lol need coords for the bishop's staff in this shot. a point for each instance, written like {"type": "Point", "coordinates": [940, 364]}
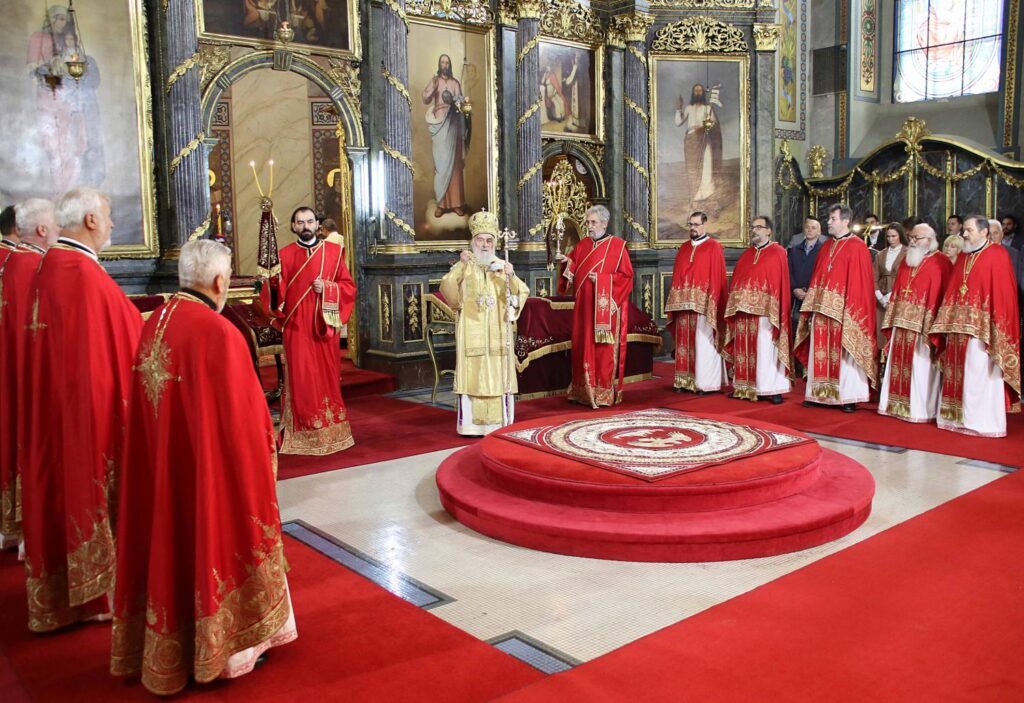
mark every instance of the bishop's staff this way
{"type": "Point", "coordinates": [504, 237]}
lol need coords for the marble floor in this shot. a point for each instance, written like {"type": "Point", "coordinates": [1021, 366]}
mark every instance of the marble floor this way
{"type": "Point", "coordinates": [385, 520]}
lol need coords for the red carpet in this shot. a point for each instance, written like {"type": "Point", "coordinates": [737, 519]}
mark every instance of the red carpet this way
{"type": "Point", "coordinates": [384, 428]}
{"type": "Point", "coordinates": [357, 642]}
{"type": "Point", "coordinates": [930, 610]}
{"type": "Point", "coordinates": [355, 382]}
{"type": "Point", "coordinates": [754, 505]}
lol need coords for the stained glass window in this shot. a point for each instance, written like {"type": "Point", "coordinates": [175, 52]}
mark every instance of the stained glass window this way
{"type": "Point", "coordinates": [946, 48]}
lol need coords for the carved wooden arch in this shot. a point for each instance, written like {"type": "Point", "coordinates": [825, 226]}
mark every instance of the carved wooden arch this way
{"type": "Point", "coordinates": [348, 114]}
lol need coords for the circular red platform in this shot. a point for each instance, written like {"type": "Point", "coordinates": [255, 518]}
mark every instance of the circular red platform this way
{"type": "Point", "coordinates": [787, 499]}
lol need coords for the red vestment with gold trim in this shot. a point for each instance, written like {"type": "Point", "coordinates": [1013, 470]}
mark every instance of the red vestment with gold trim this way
{"type": "Point", "coordinates": [599, 358]}
{"type": "Point", "coordinates": [916, 295]}
{"type": "Point", "coordinates": [313, 416]}
{"type": "Point", "coordinates": [699, 287]}
{"type": "Point", "coordinates": [981, 302]}
{"type": "Point", "coordinates": [82, 335]}
{"type": "Point", "coordinates": [760, 288]}
{"type": "Point", "coordinates": [200, 566]}
{"type": "Point", "coordinates": [840, 303]}
{"type": "Point", "coordinates": [15, 280]}
{"type": "Point", "coordinates": [6, 249]}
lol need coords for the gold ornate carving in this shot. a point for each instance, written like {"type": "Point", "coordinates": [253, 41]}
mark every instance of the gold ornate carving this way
{"type": "Point", "coordinates": [638, 53]}
{"type": "Point", "coordinates": [529, 9]}
{"type": "Point", "coordinates": [633, 27]}
{"type": "Point", "coordinates": [641, 113]}
{"type": "Point", "coordinates": [596, 149]}
{"type": "Point", "coordinates": [816, 156]}
{"type": "Point", "coordinates": [638, 167]}
{"type": "Point", "coordinates": [766, 37]}
{"type": "Point", "coordinates": [565, 194]}
{"type": "Point", "coordinates": [346, 76]}
{"type": "Point", "coordinates": [647, 296]}
{"type": "Point", "coordinates": [709, 4]}
{"type": "Point", "coordinates": [186, 150]}
{"type": "Point", "coordinates": [843, 114]}
{"type": "Point", "coordinates": [527, 48]}
{"type": "Point", "coordinates": [384, 298]}
{"type": "Point", "coordinates": [182, 68]}
{"type": "Point", "coordinates": [1010, 73]}
{"type": "Point", "coordinates": [784, 151]}
{"type": "Point", "coordinates": [635, 225]}
{"type": "Point", "coordinates": [700, 35]}
{"type": "Point", "coordinates": [398, 10]}
{"type": "Point", "coordinates": [913, 131]}
{"type": "Point", "coordinates": [402, 224]}
{"type": "Point", "coordinates": [530, 173]}
{"type": "Point", "coordinates": [568, 19]}
{"type": "Point", "coordinates": [412, 313]}
{"type": "Point", "coordinates": [212, 60]}
{"type": "Point", "coordinates": [507, 14]}
{"type": "Point", "coordinates": [399, 157]}
{"type": "Point", "coordinates": [395, 83]}
{"type": "Point", "coordinates": [464, 11]}
{"type": "Point", "coordinates": [530, 112]}
{"type": "Point", "coordinates": [200, 230]}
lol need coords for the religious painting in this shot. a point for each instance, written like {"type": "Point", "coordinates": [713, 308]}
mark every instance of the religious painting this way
{"type": "Point", "coordinates": [96, 131]}
{"type": "Point", "coordinates": [319, 26]}
{"type": "Point", "coordinates": [570, 86]}
{"type": "Point", "coordinates": [791, 71]}
{"type": "Point", "coordinates": [700, 145]}
{"type": "Point", "coordinates": [454, 155]}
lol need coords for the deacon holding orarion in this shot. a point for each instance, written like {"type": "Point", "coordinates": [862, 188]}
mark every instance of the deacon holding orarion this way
{"type": "Point", "coordinates": [201, 588]}
{"type": "Point", "coordinates": [979, 329]}
{"type": "Point", "coordinates": [488, 298]}
{"type": "Point", "coordinates": [912, 380]}
{"type": "Point", "coordinates": [696, 308]}
{"type": "Point", "coordinates": [835, 340]}
{"type": "Point", "coordinates": [757, 318]}
{"type": "Point", "coordinates": [38, 231]}
{"type": "Point", "coordinates": [601, 275]}
{"type": "Point", "coordinates": [316, 297]}
{"type": "Point", "coordinates": [82, 332]}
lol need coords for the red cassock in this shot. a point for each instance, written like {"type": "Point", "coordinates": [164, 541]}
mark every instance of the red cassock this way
{"type": "Point", "coordinates": [760, 288]}
{"type": "Point", "coordinates": [840, 302]}
{"type": "Point", "coordinates": [699, 287]}
{"type": "Point", "coordinates": [82, 333]}
{"type": "Point", "coordinates": [598, 328]}
{"type": "Point", "coordinates": [980, 301]}
{"type": "Point", "coordinates": [313, 416]}
{"type": "Point", "coordinates": [200, 567]}
{"type": "Point", "coordinates": [916, 295]}
{"type": "Point", "coordinates": [15, 279]}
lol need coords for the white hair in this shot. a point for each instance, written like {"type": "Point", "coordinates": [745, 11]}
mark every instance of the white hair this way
{"type": "Point", "coordinates": [601, 211]}
{"type": "Point", "coordinates": [995, 224]}
{"type": "Point", "coordinates": [201, 261]}
{"type": "Point", "coordinates": [74, 205]}
{"type": "Point", "coordinates": [928, 230]}
{"type": "Point", "coordinates": [31, 213]}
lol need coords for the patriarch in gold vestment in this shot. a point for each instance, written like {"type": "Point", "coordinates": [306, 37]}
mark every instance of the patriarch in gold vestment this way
{"type": "Point", "coordinates": [488, 298]}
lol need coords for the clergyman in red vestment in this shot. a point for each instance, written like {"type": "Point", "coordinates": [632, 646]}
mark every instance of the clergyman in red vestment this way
{"type": "Point", "coordinates": [979, 329]}
{"type": "Point", "coordinates": [696, 308]}
{"type": "Point", "coordinates": [602, 277]}
{"type": "Point", "coordinates": [201, 588]}
{"type": "Point", "coordinates": [912, 380]}
{"type": "Point", "coordinates": [316, 297]}
{"type": "Point", "coordinates": [835, 340]}
{"type": "Point", "coordinates": [82, 333]}
{"type": "Point", "coordinates": [757, 318]}
{"type": "Point", "coordinates": [38, 231]}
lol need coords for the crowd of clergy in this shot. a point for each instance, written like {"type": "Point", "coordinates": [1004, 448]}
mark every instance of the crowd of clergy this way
{"type": "Point", "coordinates": [127, 504]}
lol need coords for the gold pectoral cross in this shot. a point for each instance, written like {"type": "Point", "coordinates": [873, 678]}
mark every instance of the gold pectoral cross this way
{"type": "Point", "coordinates": [35, 325]}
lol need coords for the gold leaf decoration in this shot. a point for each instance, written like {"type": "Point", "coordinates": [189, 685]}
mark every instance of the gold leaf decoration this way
{"type": "Point", "coordinates": [700, 35]}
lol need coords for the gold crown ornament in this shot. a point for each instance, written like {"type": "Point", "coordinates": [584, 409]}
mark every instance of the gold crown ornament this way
{"type": "Point", "coordinates": [483, 221]}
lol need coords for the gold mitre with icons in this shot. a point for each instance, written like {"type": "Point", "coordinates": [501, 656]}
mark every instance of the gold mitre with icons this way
{"type": "Point", "coordinates": [483, 221]}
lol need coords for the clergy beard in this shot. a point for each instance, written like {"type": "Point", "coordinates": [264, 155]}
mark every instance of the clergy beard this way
{"type": "Point", "coordinates": [597, 236]}
{"type": "Point", "coordinates": [915, 255]}
{"type": "Point", "coordinates": [307, 236]}
{"type": "Point", "coordinates": [484, 258]}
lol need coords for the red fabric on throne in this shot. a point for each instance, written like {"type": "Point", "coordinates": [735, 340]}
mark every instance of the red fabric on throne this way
{"type": "Point", "coordinates": [200, 566]}
{"type": "Point", "coordinates": [82, 335]}
{"type": "Point", "coordinates": [313, 416]}
{"type": "Point", "coordinates": [599, 360]}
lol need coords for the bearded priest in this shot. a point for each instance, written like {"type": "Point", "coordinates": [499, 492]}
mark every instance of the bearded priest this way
{"type": "Point", "coordinates": [488, 298]}
{"type": "Point", "coordinates": [912, 381]}
{"type": "Point", "coordinates": [601, 275]}
{"type": "Point", "coordinates": [200, 566]}
{"type": "Point", "coordinates": [835, 340]}
{"type": "Point", "coordinates": [82, 333]}
{"type": "Point", "coordinates": [979, 329]}
{"type": "Point", "coordinates": [317, 295]}
{"type": "Point", "coordinates": [696, 307]}
{"type": "Point", "coordinates": [38, 231]}
{"type": "Point", "coordinates": [757, 318]}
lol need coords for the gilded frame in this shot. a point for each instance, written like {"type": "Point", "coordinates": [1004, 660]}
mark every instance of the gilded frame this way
{"type": "Point", "coordinates": [354, 40]}
{"type": "Point", "coordinates": [701, 61]}
{"type": "Point", "coordinates": [596, 53]}
{"type": "Point", "coordinates": [490, 128]}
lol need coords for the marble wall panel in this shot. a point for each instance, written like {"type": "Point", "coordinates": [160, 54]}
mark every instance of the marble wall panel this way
{"type": "Point", "coordinates": [270, 121]}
